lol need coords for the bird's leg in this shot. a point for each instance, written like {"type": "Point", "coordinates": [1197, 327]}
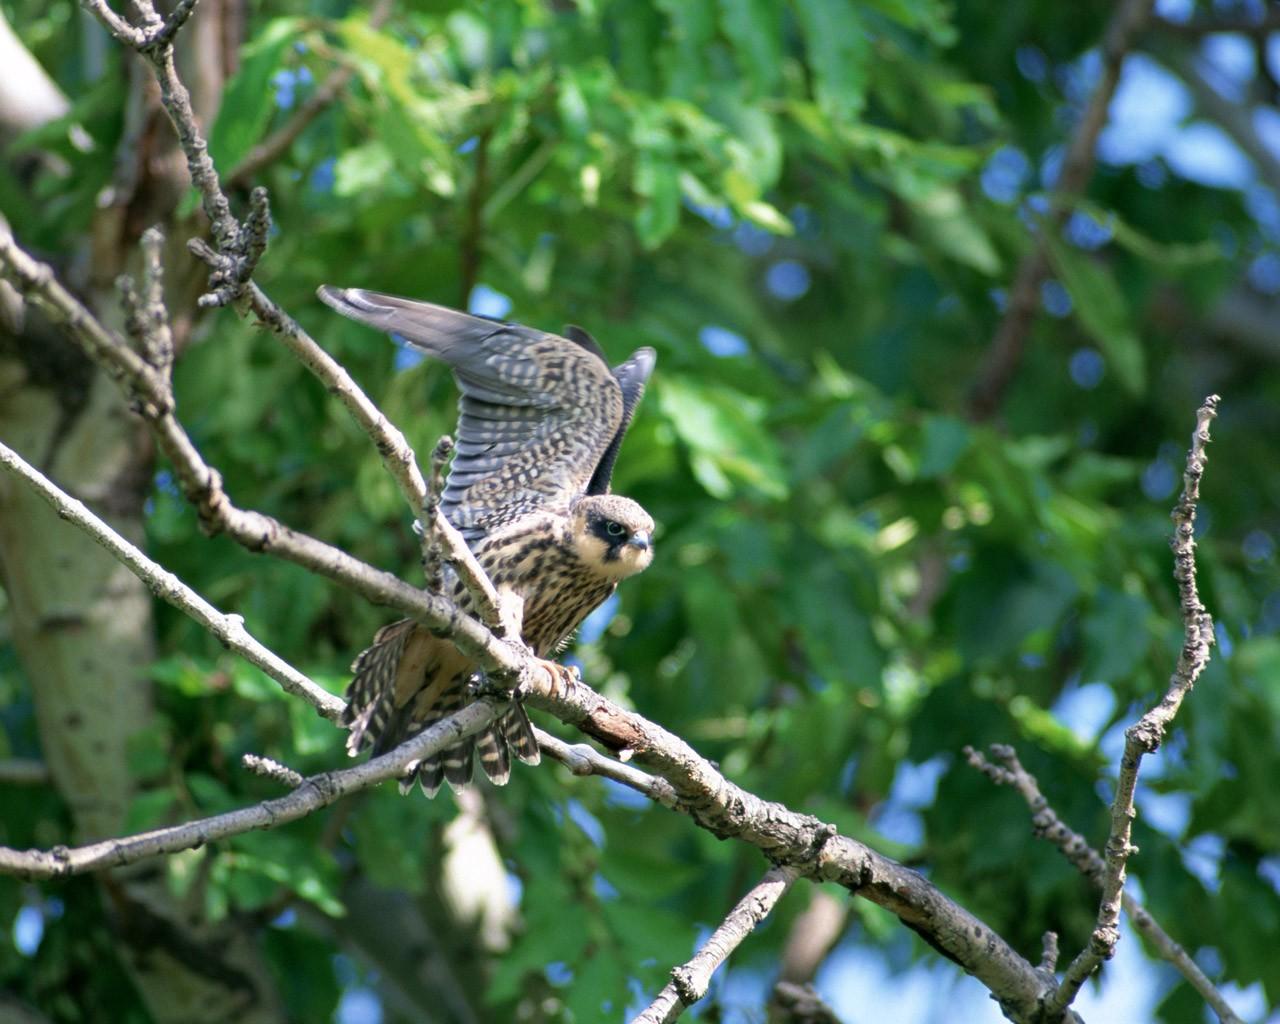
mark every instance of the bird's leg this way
{"type": "Point", "coordinates": [564, 678]}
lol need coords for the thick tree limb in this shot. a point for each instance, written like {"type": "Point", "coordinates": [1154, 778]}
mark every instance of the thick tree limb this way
{"type": "Point", "coordinates": [1005, 354]}
{"type": "Point", "coordinates": [690, 981]}
{"type": "Point", "coordinates": [798, 840]}
{"type": "Point", "coordinates": [1004, 769]}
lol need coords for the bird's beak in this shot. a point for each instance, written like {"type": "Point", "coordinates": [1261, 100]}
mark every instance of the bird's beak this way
{"type": "Point", "coordinates": [639, 541]}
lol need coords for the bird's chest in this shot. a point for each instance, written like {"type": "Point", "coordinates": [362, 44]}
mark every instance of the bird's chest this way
{"type": "Point", "coordinates": [558, 589]}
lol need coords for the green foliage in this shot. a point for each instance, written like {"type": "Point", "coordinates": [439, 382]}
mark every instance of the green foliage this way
{"type": "Point", "coordinates": [851, 575]}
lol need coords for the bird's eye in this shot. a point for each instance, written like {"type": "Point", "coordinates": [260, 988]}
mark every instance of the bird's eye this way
{"type": "Point", "coordinates": [615, 529]}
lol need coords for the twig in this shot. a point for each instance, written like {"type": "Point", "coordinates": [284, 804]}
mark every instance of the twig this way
{"type": "Point", "coordinates": [1005, 769]}
{"type": "Point", "coordinates": [1144, 737]}
{"type": "Point", "coordinates": [239, 248]}
{"type": "Point", "coordinates": [229, 629]}
{"type": "Point", "coordinates": [582, 759]}
{"type": "Point", "coordinates": [1005, 353]}
{"type": "Point", "coordinates": [274, 145]}
{"type": "Point", "coordinates": [36, 282]}
{"type": "Point", "coordinates": [314, 793]}
{"type": "Point", "coordinates": [1260, 25]}
{"type": "Point", "coordinates": [146, 319]}
{"type": "Point", "coordinates": [271, 769]}
{"type": "Point", "coordinates": [689, 982]}
{"type": "Point", "coordinates": [155, 43]}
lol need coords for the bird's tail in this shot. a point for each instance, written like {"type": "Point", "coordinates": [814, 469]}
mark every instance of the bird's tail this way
{"type": "Point", "coordinates": [377, 723]}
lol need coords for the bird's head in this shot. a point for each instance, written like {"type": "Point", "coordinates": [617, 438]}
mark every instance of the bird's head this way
{"type": "Point", "coordinates": [612, 534]}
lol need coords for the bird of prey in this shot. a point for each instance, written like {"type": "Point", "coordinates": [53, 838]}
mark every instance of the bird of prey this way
{"type": "Point", "coordinates": [541, 418]}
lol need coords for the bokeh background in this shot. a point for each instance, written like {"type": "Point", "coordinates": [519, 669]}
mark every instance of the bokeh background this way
{"type": "Point", "coordinates": [814, 211]}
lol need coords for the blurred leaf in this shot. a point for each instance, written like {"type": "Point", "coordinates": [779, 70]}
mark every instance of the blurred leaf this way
{"type": "Point", "coordinates": [1102, 311]}
{"type": "Point", "coordinates": [840, 50]}
{"type": "Point", "coordinates": [725, 435]}
{"type": "Point", "coordinates": [248, 101]}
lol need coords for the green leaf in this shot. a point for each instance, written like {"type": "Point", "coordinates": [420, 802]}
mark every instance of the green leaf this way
{"type": "Point", "coordinates": [362, 168]}
{"type": "Point", "coordinates": [839, 49]}
{"type": "Point", "coordinates": [945, 440]}
{"type": "Point", "coordinates": [1164, 255]}
{"type": "Point", "coordinates": [1115, 636]}
{"type": "Point", "coordinates": [657, 183]}
{"type": "Point", "coordinates": [724, 433]}
{"type": "Point", "coordinates": [248, 102]}
{"type": "Point", "coordinates": [944, 219]}
{"type": "Point", "coordinates": [1102, 311]}
{"type": "Point", "coordinates": [755, 29]}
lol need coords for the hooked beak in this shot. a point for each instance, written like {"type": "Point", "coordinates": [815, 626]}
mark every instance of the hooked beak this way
{"type": "Point", "coordinates": [639, 541]}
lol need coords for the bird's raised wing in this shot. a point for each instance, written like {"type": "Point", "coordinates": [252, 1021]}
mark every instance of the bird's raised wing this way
{"type": "Point", "coordinates": [631, 377]}
{"type": "Point", "coordinates": [537, 414]}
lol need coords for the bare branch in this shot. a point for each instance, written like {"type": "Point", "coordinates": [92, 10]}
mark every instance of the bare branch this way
{"type": "Point", "coordinates": [582, 759]}
{"type": "Point", "coordinates": [1005, 354]}
{"type": "Point", "coordinates": [1144, 737]}
{"type": "Point", "coordinates": [1261, 24]}
{"type": "Point", "coordinates": [36, 281]}
{"type": "Point", "coordinates": [146, 318]}
{"type": "Point", "coordinates": [165, 585]}
{"type": "Point", "coordinates": [689, 982]}
{"type": "Point", "coordinates": [796, 840]}
{"type": "Point", "coordinates": [314, 793]}
{"type": "Point", "coordinates": [1005, 769]}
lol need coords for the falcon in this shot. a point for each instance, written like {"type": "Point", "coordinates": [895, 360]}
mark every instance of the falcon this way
{"type": "Point", "coordinates": [540, 421]}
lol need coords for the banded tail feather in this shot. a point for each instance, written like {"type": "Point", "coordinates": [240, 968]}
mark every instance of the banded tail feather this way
{"type": "Point", "coordinates": [371, 695]}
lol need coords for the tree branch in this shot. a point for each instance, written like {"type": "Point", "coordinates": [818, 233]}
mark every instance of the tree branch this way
{"type": "Point", "coordinates": [687, 782]}
{"type": "Point", "coordinates": [229, 629]}
{"type": "Point", "coordinates": [800, 1004]}
{"type": "Point", "coordinates": [1006, 770]}
{"type": "Point", "coordinates": [315, 792]}
{"type": "Point", "coordinates": [788, 838]}
{"type": "Point", "coordinates": [1145, 736]}
{"type": "Point", "coordinates": [690, 981]}
{"type": "Point", "coordinates": [582, 759]}
{"type": "Point", "coordinates": [1005, 354]}
{"type": "Point", "coordinates": [1141, 738]}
